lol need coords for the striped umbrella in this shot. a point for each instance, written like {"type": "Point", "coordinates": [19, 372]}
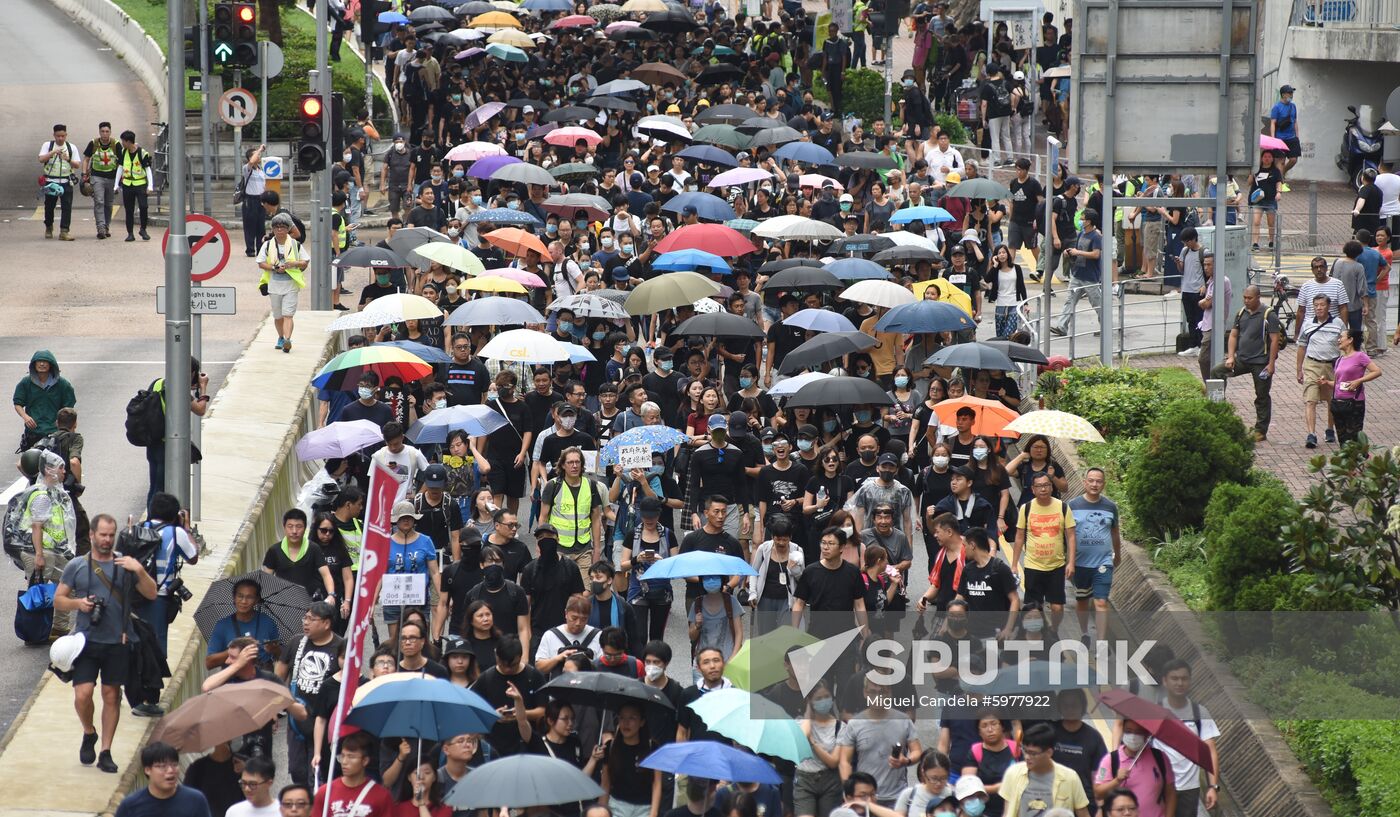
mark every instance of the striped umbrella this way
{"type": "Point", "coordinates": [342, 372]}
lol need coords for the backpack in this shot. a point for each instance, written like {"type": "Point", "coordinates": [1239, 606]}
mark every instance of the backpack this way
{"type": "Point", "coordinates": [1010, 744]}
{"type": "Point", "coordinates": [572, 645]}
{"type": "Point", "coordinates": [142, 542]}
{"type": "Point", "coordinates": [1157, 757]}
{"type": "Point", "coordinates": [145, 418]}
{"type": "Point", "coordinates": [18, 538]}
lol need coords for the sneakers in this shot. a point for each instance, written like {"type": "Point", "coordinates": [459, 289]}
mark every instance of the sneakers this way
{"type": "Point", "coordinates": [48, 232]}
{"type": "Point", "coordinates": [340, 307]}
{"type": "Point", "coordinates": [87, 753]}
{"type": "Point", "coordinates": [281, 341]}
{"type": "Point", "coordinates": [106, 763]}
{"type": "Point", "coordinates": [64, 236]}
{"type": "Point", "coordinates": [101, 235]}
{"type": "Point", "coordinates": [1192, 352]}
{"type": "Point", "coordinates": [145, 236]}
{"type": "Point", "coordinates": [344, 291]}
{"type": "Point", "coordinates": [1330, 435]}
{"type": "Point", "coordinates": [130, 237]}
{"type": "Point", "coordinates": [1310, 441]}
{"type": "Point", "coordinates": [1255, 248]}
{"type": "Point", "coordinates": [1260, 436]}
{"type": "Point", "coordinates": [145, 711]}
{"type": "Point", "coordinates": [1057, 331]}
{"type": "Point", "coordinates": [287, 345]}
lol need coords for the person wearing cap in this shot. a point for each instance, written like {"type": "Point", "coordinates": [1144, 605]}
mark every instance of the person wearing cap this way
{"type": "Point", "coordinates": [441, 517]}
{"type": "Point", "coordinates": [969, 508]}
{"type": "Point", "coordinates": [411, 554]}
{"type": "Point", "coordinates": [971, 795]}
{"type": "Point", "coordinates": [717, 469]}
{"type": "Point", "coordinates": [884, 489]}
{"type": "Point", "coordinates": [1283, 124]}
{"type": "Point", "coordinates": [563, 434]}
{"type": "Point", "coordinates": [1085, 272]}
{"type": "Point", "coordinates": [779, 487]}
{"type": "Point", "coordinates": [1062, 233]}
{"type": "Point", "coordinates": [283, 261]}
{"type": "Point", "coordinates": [573, 503]}
{"type": "Point", "coordinates": [641, 546]}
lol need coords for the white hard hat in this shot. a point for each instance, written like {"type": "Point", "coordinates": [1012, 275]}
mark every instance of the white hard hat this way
{"type": "Point", "coordinates": [64, 651]}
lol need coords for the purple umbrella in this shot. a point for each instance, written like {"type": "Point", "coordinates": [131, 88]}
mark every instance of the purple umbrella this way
{"type": "Point", "coordinates": [740, 175]}
{"type": "Point", "coordinates": [483, 168]}
{"type": "Point", "coordinates": [478, 117]}
{"type": "Point", "coordinates": [537, 131]}
{"type": "Point", "coordinates": [469, 54]}
{"type": "Point", "coordinates": [338, 440]}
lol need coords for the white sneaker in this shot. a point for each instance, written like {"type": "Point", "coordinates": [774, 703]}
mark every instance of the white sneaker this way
{"type": "Point", "coordinates": [1189, 352]}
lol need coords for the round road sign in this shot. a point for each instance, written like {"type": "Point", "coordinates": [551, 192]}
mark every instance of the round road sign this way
{"type": "Point", "coordinates": [209, 246]}
{"type": "Point", "coordinates": [271, 61]}
{"type": "Point", "coordinates": [238, 106]}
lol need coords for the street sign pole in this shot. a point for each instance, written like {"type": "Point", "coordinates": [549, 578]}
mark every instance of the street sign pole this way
{"type": "Point", "coordinates": [238, 160]}
{"type": "Point", "coordinates": [177, 271]}
{"type": "Point", "coordinates": [1052, 160]}
{"type": "Point", "coordinates": [204, 119]}
{"type": "Point", "coordinates": [321, 253]}
{"type": "Point", "coordinates": [262, 98]}
{"type": "Point", "coordinates": [314, 179]}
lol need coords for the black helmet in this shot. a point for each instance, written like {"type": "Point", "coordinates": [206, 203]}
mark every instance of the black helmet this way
{"type": "Point", "coordinates": [30, 462]}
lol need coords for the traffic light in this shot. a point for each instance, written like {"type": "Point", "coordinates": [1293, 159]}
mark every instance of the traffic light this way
{"type": "Point", "coordinates": [194, 48]}
{"type": "Point", "coordinates": [245, 34]}
{"type": "Point", "coordinates": [311, 154]}
{"type": "Point", "coordinates": [221, 39]}
{"type": "Point", "coordinates": [370, 27]}
{"type": "Point", "coordinates": [336, 143]}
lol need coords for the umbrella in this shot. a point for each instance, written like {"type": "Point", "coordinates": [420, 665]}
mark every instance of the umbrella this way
{"type": "Point", "coordinates": [820, 320]}
{"type": "Point", "coordinates": [568, 137]}
{"type": "Point", "coordinates": [689, 260]}
{"type": "Point", "coordinates": [540, 128]}
{"type": "Point", "coordinates": [743, 225]}
{"type": "Point", "coordinates": [644, 6]}
{"type": "Point", "coordinates": [392, 18]}
{"type": "Point", "coordinates": [526, 102]}
{"type": "Point", "coordinates": [1055, 424]}
{"type": "Point", "coordinates": [797, 228]}
{"type": "Point", "coordinates": [861, 244]}
{"type": "Point", "coordinates": [433, 427]}
{"type": "Point", "coordinates": [877, 293]}
{"type": "Point", "coordinates": [992, 415]}
{"type": "Point", "coordinates": [971, 356]}
{"type": "Point", "coordinates": [791, 385]}
{"type": "Point", "coordinates": [1019, 352]}
{"type": "Point", "coordinates": [471, 151]}
{"type": "Point", "coordinates": [524, 346]}
{"type": "Point", "coordinates": [606, 689]}
{"type": "Point", "coordinates": [669, 21]}
{"type": "Point", "coordinates": [770, 267]}
{"type": "Point", "coordinates": [906, 254]}
{"type": "Point", "coordinates": [503, 215]}
{"type": "Point", "coordinates": [431, 14]}
{"type": "Point", "coordinates": [722, 72]}
{"type": "Point", "coordinates": [523, 277]}
{"type": "Point", "coordinates": [494, 311]}
{"type": "Point", "coordinates": [573, 170]}
{"type": "Point", "coordinates": [522, 782]}
{"type": "Point", "coordinates": [804, 152]}
{"type": "Point", "coordinates": [547, 5]}
{"type": "Point", "coordinates": [606, 12]}
{"type": "Point", "coordinates": [978, 189]}
{"type": "Point", "coordinates": [925, 317]}
{"type": "Point", "coordinates": [494, 283]}
{"type": "Point", "coordinates": [658, 73]}
{"type": "Point", "coordinates": [591, 305]}
{"type": "Point", "coordinates": [739, 175]}
{"type": "Point", "coordinates": [699, 563]}
{"type": "Point", "coordinates": [823, 348]}
{"type": "Point", "coordinates": [206, 720]}
{"type": "Point", "coordinates": [570, 113]}
{"type": "Point", "coordinates": [343, 371]}
{"type": "Point", "coordinates": [408, 239]}
{"type": "Point", "coordinates": [780, 135]}
{"type": "Point", "coordinates": [1272, 143]}
{"type": "Point", "coordinates": [866, 159]}
{"type": "Point", "coordinates": [338, 440]}
{"type": "Point", "coordinates": [516, 241]}
{"type": "Point", "coordinates": [818, 180]}
{"type": "Point", "coordinates": [947, 291]}
{"type": "Point", "coordinates": [483, 168]}
{"type": "Point", "coordinates": [720, 325]}
{"type": "Point", "coordinates": [710, 759]}
{"type": "Point", "coordinates": [619, 86]}
{"type": "Point", "coordinates": [707, 306]}
{"type": "Point", "coordinates": [396, 307]}
{"type": "Point", "coordinates": [753, 721]}
{"type": "Point", "coordinates": [926, 214]}
{"type": "Point", "coordinates": [725, 135]}
{"type": "Point", "coordinates": [473, 8]}
{"type": "Point", "coordinates": [1167, 728]}
{"type": "Point", "coordinates": [857, 269]}
{"type": "Point", "coordinates": [508, 53]}
{"type": "Point", "coordinates": [429, 354]}
{"type": "Point", "coordinates": [660, 438]}
{"type": "Point", "coordinates": [611, 103]}
{"type": "Point", "coordinates": [283, 602]}
{"type": "Point", "coordinates": [369, 256]}
{"type": "Point", "coordinates": [617, 296]}
{"type": "Point", "coordinates": [1032, 676]}
{"type": "Point", "coordinates": [758, 123]}
{"type": "Point", "coordinates": [423, 707]}
{"type": "Point", "coordinates": [574, 21]}
{"type": "Point", "coordinates": [759, 664]}
{"type": "Point", "coordinates": [524, 173]}
{"type": "Point", "coordinates": [632, 32]}
{"type": "Point", "coordinates": [661, 126]}
{"type": "Point", "coordinates": [597, 208]}
{"type": "Point", "coordinates": [494, 19]}
{"type": "Point", "coordinates": [803, 278]}
{"type": "Point", "coordinates": [709, 154]}
{"type": "Point", "coordinates": [840, 391]}
{"type": "Point", "coordinates": [712, 238]}
{"type": "Point", "coordinates": [469, 53]}
{"type": "Point", "coordinates": [453, 256]}
{"type": "Point", "coordinates": [707, 205]}
{"type": "Point", "coordinates": [481, 114]}
{"type": "Point", "coordinates": [669, 291]}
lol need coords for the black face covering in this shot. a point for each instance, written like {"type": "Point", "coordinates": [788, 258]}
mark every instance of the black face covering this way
{"type": "Point", "coordinates": [494, 577]}
{"type": "Point", "coordinates": [549, 551]}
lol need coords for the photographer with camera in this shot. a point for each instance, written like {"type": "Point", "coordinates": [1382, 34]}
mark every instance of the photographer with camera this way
{"type": "Point", "coordinates": [98, 587]}
{"type": "Point", "coordinates": [165, 537]}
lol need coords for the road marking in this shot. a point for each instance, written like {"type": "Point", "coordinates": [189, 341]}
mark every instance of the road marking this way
{"type": "Point", "coordinates": [116, 362]}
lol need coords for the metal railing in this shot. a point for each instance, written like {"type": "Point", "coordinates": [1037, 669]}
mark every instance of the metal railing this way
{"type": "Point", "coordinates": [1376, 14]}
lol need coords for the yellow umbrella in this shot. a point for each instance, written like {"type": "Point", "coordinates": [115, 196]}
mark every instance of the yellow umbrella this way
{"type": "Point", "coordinates": [632, 6]}
{"type": "Point", "coordinates": [493, 283]}
{"type": "Point", "coordinates": [759, 664]}
{"type": "Point", "coordinates": [947, 291]}
{"type": "Point", "coordinates": [494, 19]}
{"type": "Point", "coordinates": [1055, 424]}
{"type": "Point", "coordinates": [454, 256]}
{"type": "Point", "coordinates": [511, 36]}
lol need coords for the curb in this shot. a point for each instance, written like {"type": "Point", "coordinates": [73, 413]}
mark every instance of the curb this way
{"type": "Point", "coordinates": [128, 40]}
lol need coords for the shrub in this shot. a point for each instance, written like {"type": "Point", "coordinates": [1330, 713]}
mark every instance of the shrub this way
{"type": "Point", "coordinates": [1357, 759]}
{"type": "Point", "coordinates": [953, 126]}
{"type": "Point", "coordinates": [1113, 456]}
{"type": "Point", "coordinates": [1194, 446]}
{"type": "Point", "coordinates": [1115, 410]}
{"type": "Point", "coordinates": [863, 94]}
{"type": "Point", "coordinates": [1242, 526]}
{"type": "Point", "coordinates": [1183, 559]}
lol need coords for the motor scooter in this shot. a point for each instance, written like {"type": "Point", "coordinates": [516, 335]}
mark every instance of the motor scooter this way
{"type": "Point", "coordinates": [1361, 149]}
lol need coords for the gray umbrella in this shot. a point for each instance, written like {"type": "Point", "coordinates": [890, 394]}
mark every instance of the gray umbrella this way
{"type": "Point", "coordinates": [775, 136]}
{"type": "Point", "coordinates": [494, 310]}
{"type": "Point", "coordinates": [523, 781]}
{"type": "Point", "coordinates": [972, 356]}
{"type": "Point", "coordinates": [431, 14]}
{"type": "Point", "coordinates": [409, 239]}
{"type": "Point", "coordinates": [619, 86]}
{"type": "Point", "coordinates": [524, 173]}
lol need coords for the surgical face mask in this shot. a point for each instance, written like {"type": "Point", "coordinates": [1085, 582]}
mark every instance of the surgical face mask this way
{"type": "Point", "coordinates": [556, 101]}
{"type": "Point", "coordinates": [666, 365]}
{"type": "Point", "coordinates": [599, 335]}
{"type": "Point", "coordinates": [745, 382]}
{"type": "Point", "coordinates": [520, 137]}
{"type": "Point", "coordinates": [552, 229]}
{"type": "Point", "coordinates": [400, 147]}
{"type": "Point", "coordinates": [1034, 625]}
{"type": "Point", "coordinates": [656, 470]}
{"type": "Point", "coordinates": [458, 173]}
{"type": "Point", "coordinates": [1134, 741]}
{"type": "Point", "coordinates": [908, 83]}
{"type": "Point", "coordinates": [940, 462]}
{"type": "Point", "coordinates": [607, 243]}
{"type": "Point", "coordinates": [437, 178]}
{"type": "Point", "coordinates": [845, 207]}
{"type": "Point", "coordinates": [441, 404]}
{"type": "Point", "coordinates": [628, 249]}
{"type": "Point", "coordinates": [823, 706]}
{"type": "Point", "coordinates": [513, 204]}
{"type": "Point", "coordinates": [451, 290]}
{"type": "Point", "coordinates": [494, 576]}
{"type": "Point", "coordinates": [366, 392]}
{"type": "Point", "coordinates": [584, 246]}
{"type": "Point", "coordinates": [458, 97]}
{"type": "Point", "coordinates": [974, 808]}
{"type": "Point", "coordinates": [768, 449]}
{"type": "Point", "coordinates": [944, 813]}
{"type": "Point", "coordinates": [901, 381]}
{"type": "Point", "coordinates": [581, 223]}
{"type": "Point", "coordinates": [712, 584]}
{"type": "Point", "coordinates": [491, 396]}
{"type": "Point", "coordinates": [476, 200]}
{"type": "Point", "coordinates": [849, 530]}
{"type": "Point", "coordinates": [567, 423]}
{"type": "Point", "coordinates": [804, 445]}
{"type": "Point", "coordinates": [381, 279]}
{"type": "Point", "coordinates": [347, 156]}
{"type": "Point", "coordinates": [566, 325]}
{"type": "Point", "coordinates": [979, 454]}
{"type": "Point", "coordinates": [654, 671]}
{"type": "Point", "coordinates": [828, 426]}
{"type": "Point", "coordinates": [453, 232]}
{"type": "Point", "coordinates": [862, 416]}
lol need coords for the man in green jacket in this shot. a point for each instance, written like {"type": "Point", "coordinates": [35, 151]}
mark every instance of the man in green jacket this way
{"type": "Point", "coordinates": [38, 397]}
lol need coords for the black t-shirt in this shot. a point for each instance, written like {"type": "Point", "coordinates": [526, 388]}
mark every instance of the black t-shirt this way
{"type": "Point", "coordinates": [661, 722]}
{"type": "Point", "coordinates": [467, 383]}
{"type": "Point", "coordinates": [717, 471]}
{"type": "Point", "coordinates": [947, 587]}
{"type": "Point", "coordinates": [986, 590]}
{"type": "Point", "coordinates": [514, 556]}
{"type": "Point", "coordinates": [538, 408]}
{"type": "Point", "coordinates": [830, 591]}
{"type": "Point", "coordinates": [430, 668]}
{"type": "Point", "coordinates": [630, 782]}
{"type": "Point", "coordinates": [310, 670]}
{"type": "Point", "coordinates": [784, 339]}
{"type": "Point", "coordinates": [774, 486]}
{"type": "Point", "coordinates": [423, 159]}
{"type": "Point", "coordinates": [548, 588]}
{"type": "Point", "coordinates": [505, 735]}
{"type": "Point", "coordinates": [1266, 179]}
{"type": "Point", "coordinates": [377, 412]}
{"type": "Point", "coordinates": [373, 290]}
{"type": "Point", "coordinates": [438, 522]}
{"type": "Point", "coordinates": [1064, 209]}
{"type": "Point", "coordinates": [217, 782]}
{"type": "Point", "coordinates": [504, 443]}
{"type": "Point", "coordinates": [554, 445]}
{"type": "Point", "coordinates": [305, 571]}
{"type": "Point", "coordinates": [507, 603]}
{"type": "Point", "coordinates": [1080, 750]}
{"type": "Point", "coordinates": [1024, 209]}
{"type": "Point", "coordinates": [457, 579]}
{"type": "Point", "coordinates": [337, 558]}
{"type": "Point", "coordinates": [667, 391]}
{"type": "Point", "coordinates": [997, 96]}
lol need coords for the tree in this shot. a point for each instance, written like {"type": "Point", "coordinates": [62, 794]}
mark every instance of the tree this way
{"type": "Point", "coordinates": [1348, 532]}
{"type": "Point", "coordinates": [270, 18]}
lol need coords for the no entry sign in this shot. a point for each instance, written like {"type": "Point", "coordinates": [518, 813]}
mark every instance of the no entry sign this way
{"type": "Point", "coordinates": [209, 246]}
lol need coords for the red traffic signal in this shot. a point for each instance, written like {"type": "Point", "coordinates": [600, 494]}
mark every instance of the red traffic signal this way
{"type": "Point", "coordinates": [311, 154]}
{"type": "Point", "coordinates": [311, 106]}
{"type": "Point", "coordinates": [246, 14]}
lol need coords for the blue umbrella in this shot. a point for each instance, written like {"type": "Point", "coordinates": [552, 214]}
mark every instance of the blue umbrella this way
{"type": "Point", "coordinates": [689, 260]}
{"type": "Point", "coordinates": [508, 53]}
{"type": "Point", "coordinates": [660, 438]}
{"type": "Point", "coordinates": [857, 269]}
{"type": "Point", "coordinates": [804, 152]}
{"type": "Point", "coordinates": [820, 320]}
{"type": "Point", "coordinates": [503, 215]}
{"type": "Point", "coordinates": [429, 354]}
{"type": "Point", "coordinates": [709, 759]}
{"type": "Point", "coordinates": [923, 317]}
{"type": "Point", "coordinates": [580, 354]}
{"type": "Point", "coordinates": [477, 421]}
{"type": "Point", "coordinates": [707, 205]}
{"type": "Point", "coordinates": [427, 708]}
{"type": "Point", "coordinates": [700, 563]}
{"type": "Point", "coordinates": [710, 154]}
{"type": "Point", "coordinates": [392, 17]}
{"type": "Point", "coordinates": [930, 215]}
{"type": "Point", "coordinates": [547, 5]}
{"type": "Point", "coordinates": [494, 310]}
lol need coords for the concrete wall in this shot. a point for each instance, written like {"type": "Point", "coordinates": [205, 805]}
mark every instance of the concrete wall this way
{"type": "Point", "coordinates": [128, 39]}
{"type": "Point", "coordinates": [250, 476]}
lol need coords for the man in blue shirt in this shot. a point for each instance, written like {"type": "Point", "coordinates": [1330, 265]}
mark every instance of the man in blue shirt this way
{"type": "Point", "coordinates": [164, 794]}
{"type": "Point", "coordinates": [1084, 271]}
{"type": "Point", "coordinates": [246, 620]}
{"type": "Point", "coordinates": [1283, 124]}
{"type": "Point", "coordinates": [1098, 548]}
{"type": "Point", "coordinates": [1374, 264]}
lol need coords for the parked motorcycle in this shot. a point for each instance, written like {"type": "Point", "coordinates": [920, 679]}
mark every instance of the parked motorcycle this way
{"type": "Point", "coordinates": [1361, 149]}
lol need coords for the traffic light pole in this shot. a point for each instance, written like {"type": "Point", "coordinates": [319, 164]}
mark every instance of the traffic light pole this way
{"type": "Point", "coordinates": [321, 181]}
{"type": "Point", "coordinates": [238, 160]}
{"type": "Point", "coordinates": [202, 8]}
{"type": "Point", "coordinates": [177, 271]}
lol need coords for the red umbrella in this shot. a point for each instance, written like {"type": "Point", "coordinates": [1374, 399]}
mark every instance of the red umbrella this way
{"type": "Point", "coordinates": [574, 21]}
{"type": "Point", "coordinates": [712, 238]}
{"type": "Point", "coordinates": [1160, 724]}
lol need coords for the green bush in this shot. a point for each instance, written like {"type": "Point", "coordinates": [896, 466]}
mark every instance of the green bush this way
{"type": "Point", "coordinates": [1177, 383]}
{"type": "Point", "coordinates": [953, 126]}
{"type": "Point", "coordinates": [1194, 446]}
{"type": "Point", "coordinates": [1113, 456]}
{"type": "Point", "coordinates": [1183, 559]}
{"type": "Point", "coordinates": [863, 94]}
{"type": "Point", "coordinates": [1242, 525]}
{"type": "Point", "coordinates": [1358, 760]}
{"type": "Point", "coordinates": [1115, 410]}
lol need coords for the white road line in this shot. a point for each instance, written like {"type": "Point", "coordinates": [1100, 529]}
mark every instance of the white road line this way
{"type": "Point", "coordinates": [66, 363]}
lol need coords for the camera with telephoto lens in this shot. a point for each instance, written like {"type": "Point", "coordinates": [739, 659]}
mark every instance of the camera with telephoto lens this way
{"type": "Point", "coordinates": [99, 609]}
{"type": "Point", "coordinates": [178, 588]}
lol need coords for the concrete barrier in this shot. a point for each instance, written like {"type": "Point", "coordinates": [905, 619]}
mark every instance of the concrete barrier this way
{"type": "Point", "coordinates": [250, 477]}
{"type": "Point", "coordinates": [128, 40]}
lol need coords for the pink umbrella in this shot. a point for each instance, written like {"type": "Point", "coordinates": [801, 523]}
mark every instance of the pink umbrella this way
{"type": "Point", "coordinates": [469, 53]}
{"type": "Point", "coordinates": [471, 151]}
{"type": "Point", "coordinates": [574, 21]}
{"type": "Point", "coordinates": [740, 175]}
{"type": "Point", "coordinates": [817, 180]}
{"type": "Point", "coordinates": [567, 137]}
{"type": "Point", "coordinates": [517, 275]}
{"type": "Point", "coordinates": [480, 115]}
{"type": "Point", "coordinates": [621, 24]}
{"type": "Point", "coordinates": [1272, 143]}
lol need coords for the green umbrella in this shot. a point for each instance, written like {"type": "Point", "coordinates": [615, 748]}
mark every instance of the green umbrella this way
{"type": "Point", "coordinates": [753, 721]}
{"type": "Point", "coordinates": [724, 135]}
{"type": "Point", "coordinates": [669, 291]}
{"type": "Point", "coordinates": [759, 663]}
{"type": "Point", "coordinates": [743, 225]}
{"type": "Point", "coordinates": [719, 50]}
{"type": "Point", "coordinates": [570, 171]}
{"type": "Point", "coordinates": [978, 189]}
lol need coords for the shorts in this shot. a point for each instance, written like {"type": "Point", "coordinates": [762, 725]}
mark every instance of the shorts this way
{"type": "Point", "coordinates": [1266, 206]}
{"type": "Point", "coordinates": [505, 479]}
{"type": "Point", "coordinates": [1154, 236]}
{"type": "Point", "coordinates": [283, 295]}
{"type": "Point", "coordinates": [1312, 370]}
{"type": "Point", "coordinates": [108, 660]}
{"type": "Point", "coordinates": [1093, 582]}
{"type": "Point", "coordinates": [1020, 235]}
{"type": "Point", "coordinates": [1047, 586]}
{"type": "Point", "coordinates": [397, 194]}
{"type": "Point", "coordinates": [1295, 147]}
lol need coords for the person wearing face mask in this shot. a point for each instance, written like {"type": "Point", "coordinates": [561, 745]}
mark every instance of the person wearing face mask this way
{"type": "Point", "coordinates": [395, 173]}
{"type": "Point", "coordinates": [664, 382]}
{"type": "Point", "coordinates": [610, 609]}
{"type": "Point", "coordinates": [883, 489]}
{"type": "Point", "coordinates": [641, 545]}
{"type": "Point", "coordinates": [509, 603]}
{"type": "Point", "coordinates": [779, 487]}
{"type": "Point", "coordinates": [817, 785]}
{"type": "Point", "coordinates": [1141, 769]}
{"type": "Point", "coordinates": [971, 795]}
{"type": "Point", "coordinates": [715, 620]}
{"type": "Point", "coordinates": [381, 285]}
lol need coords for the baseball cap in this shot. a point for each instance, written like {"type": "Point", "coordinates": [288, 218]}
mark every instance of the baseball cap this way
{"type": "Point", "coordinates": [1074, 180]}
{"type": "Point", "coordinates": [565, 408]}
{"type": "Point", "coordinates": [968, 785]}
{"type": "Point", "coordinates": [689, 210]}
{"type": "Point", "coordinates": [654, 168]}
{"type": "Point", "coordinates": [545, 528]}
{"type": "Point", "coordinates": [527, 109]}
{"type": "Point", "coordinates": [649, 506]}
{"type": "Point", "coordinates": [769, 435]}
{"type": "Point", "coordinates": [965, 471]}
{"type": "Point", "coordinates": [887, 459]}
{"type": "Point", "coordinates": [1287, 89]}
{"type": "Point", "coordinates": [435, 476]}
{"type": "Point", "coordinates": [405, 508]}
{"type": "Point", "coordinates": [807, 430]}
{"type": "Point", "coordinates": [456, 645]}
{"type": "Point", "coordinates": [1018, 76]}
{"type": "Point", "coordinates": [739, 421]}
{"type": "Point", "coordinates": [718, 421]}
{"type": "Point", "coordinates": [957, 250]}
{"type": "Point", "coordinates": [619, 273]}
{"type": "Point", "coordinates": [845, 197]}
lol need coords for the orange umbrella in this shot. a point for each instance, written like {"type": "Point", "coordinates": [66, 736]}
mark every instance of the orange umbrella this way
{"type": "Point", "coordinates": [991, 415]}
{"type": "Point", "coordinates": [517, 241]}
{"type": "Point", "coordinates": [494, 19]}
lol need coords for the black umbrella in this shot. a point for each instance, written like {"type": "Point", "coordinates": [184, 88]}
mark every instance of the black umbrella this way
{"type": "Point", "coordinates": [369, 256]}
{"type": "Point", "coordinates": [803, 278]}
{"type": "Point", "coordinates": [631, 33]}
{"type": "Point", "coordinates": [611, 103]}
{"type": "Point", "coordinates": [1019, 352]}
{"type": "Point", "coordinates": [903, 255]}
{"type": "Point", "coordinates": [723, 72]}
{"type": "Point", "coordinates": [768, 137]}
{"type": "Point", "coordinates": [282, 602]}
{"type": "Point", "coordinates": [521, 101]}
{"type": "Point", "coordinates": [719, 325]}
{"type": "Point", "coordinates": [570, 113]}
{"type": "Point", "coordinates": [754, 124]}
{"type": "Point", "coordinates": [670, 21]}
{"type": "Point", "coordinates": [861, 244]}
{"type": "Point", "coordinates": [823, 348]}
{"type": "Point", "coordinates": [840, 391]}
{"type": "Point", "coordinates": [605, 689]}
{"type": "Point", "coordinates": [972, 356]}
{"type": "Point", "coordinates": [428, 30]}
{"type": "Point", "coordinates": [431, 14]}
{"type": "Point", "coordinates": [770, 267]}
{"type": "Point", "coordinates": [474, 8]}
{"type": "Point", "coordinates": [866, 159]}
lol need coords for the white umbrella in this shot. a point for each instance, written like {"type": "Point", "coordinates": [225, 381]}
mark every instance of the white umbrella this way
{"type": "Point", "coordinates": [454, 256]}
{"type": "Point", "coordinates": [471, 151]}
{"type": "Point", "coordinates": [706, 306]}
{"type": "Point", "coordinates": [792, 384]}
{"type": "Point", "coordinates": [660, 123]}
{"type": "Point", "coordinates": [524, 346]}
{"type": "Point", "coordinates": [587, 305]}
{"type": "Point", "coordinates": [904, 238]}
{"type": "Point", "coordinates": [878, 293]}
{"type": "Point", "coordinates": [387, 309]}
{"type": "Point", "coordinates": [799, 228]}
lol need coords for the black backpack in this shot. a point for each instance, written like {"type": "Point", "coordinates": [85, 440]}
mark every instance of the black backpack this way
{"type": "Point", "coordinates": [145, 418]}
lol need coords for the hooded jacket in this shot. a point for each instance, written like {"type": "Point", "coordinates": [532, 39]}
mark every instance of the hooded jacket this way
{"type": "Point", "coordinates": [42, 401]}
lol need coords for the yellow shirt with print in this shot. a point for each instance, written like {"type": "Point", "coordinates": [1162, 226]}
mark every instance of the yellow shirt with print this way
{"type": "Point", "coordinates": [1045, 526]}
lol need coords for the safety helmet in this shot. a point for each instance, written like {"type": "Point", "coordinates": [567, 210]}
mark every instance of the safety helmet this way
{"type": "Point", "coordinates": [66, 650]}
{"type": "Point", "coordinates": [30, 462]}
